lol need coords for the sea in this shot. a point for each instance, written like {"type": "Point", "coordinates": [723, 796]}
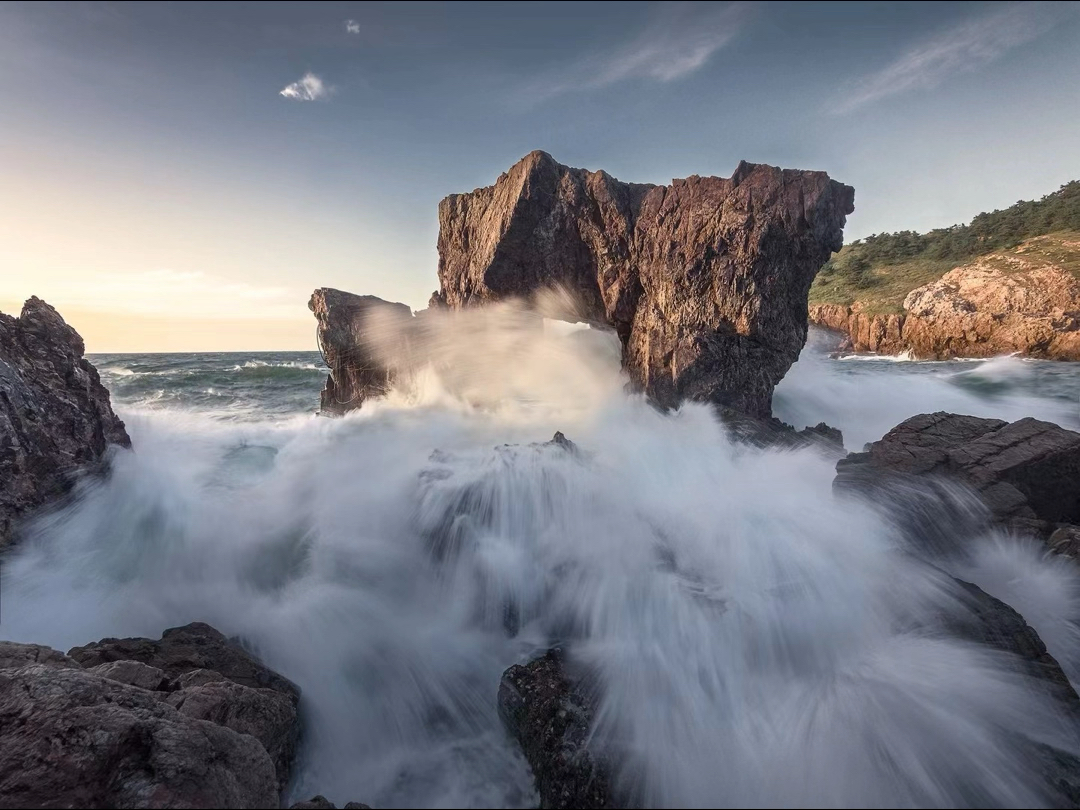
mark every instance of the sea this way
{"type": "Point", "coordinates": [746, 634]}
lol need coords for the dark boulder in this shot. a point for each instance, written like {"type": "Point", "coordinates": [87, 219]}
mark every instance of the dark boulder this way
{"type": "Point", "coordinates": [56, 420]}
{"type": "Point", "coordinates": [73, 738]}
{"type": "Point", "coordinates": [551, 720]}
{"type": "Point", "coordinates": [1026, 473]}
{"type": "Point", "coordinates": [184, 649]}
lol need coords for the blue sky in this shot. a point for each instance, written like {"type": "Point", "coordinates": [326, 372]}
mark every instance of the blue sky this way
{"type": "Point", "coordinates": [182, 175]}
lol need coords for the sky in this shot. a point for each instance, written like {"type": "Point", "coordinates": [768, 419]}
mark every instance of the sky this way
{"type": "Point", "coordinates": [180, 177]}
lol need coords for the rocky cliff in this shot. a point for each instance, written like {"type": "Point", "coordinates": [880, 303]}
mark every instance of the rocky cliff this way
{"type": "Point", "coordinates": [704, 280]}
{"type": "Point", "coordinates": [55, 415]}
{"type": "Point", "coordinates": [1002, 303]}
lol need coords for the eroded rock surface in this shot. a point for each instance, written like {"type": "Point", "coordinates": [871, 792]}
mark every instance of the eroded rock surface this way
{"type": "Point", "coordinates": [72, 738]}
{"type": "Point", "coordinates": [995, 305]}
{"type": "Point", "coordinates": [1027, 473]}
{"type": "Point", "coordinates": [552, 722]}
{"type": "Point", "coordinates": [356, 332]}
{"type": "Point", "coordinates": [55, 416]}
{"type": "Point", "coordinates": [188, 720]}
{"type": "Point", "coordinates": [705, 280]}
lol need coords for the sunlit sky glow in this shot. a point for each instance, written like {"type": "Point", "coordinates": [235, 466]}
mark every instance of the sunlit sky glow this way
{"type": "Point", "coordinates": [180, 176]}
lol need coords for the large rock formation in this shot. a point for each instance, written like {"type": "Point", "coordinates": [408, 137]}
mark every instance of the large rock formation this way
{"type": "Point", "coordinates": [999, 304]}
{"type": "Point", "coordinates": [55, 416]}
{"type": "Point", "coordinates": [705, 280]}
{"type": "Point", "coordinates": [1027, 473]}
{"type": "Point", "coordinates": [190, 720]}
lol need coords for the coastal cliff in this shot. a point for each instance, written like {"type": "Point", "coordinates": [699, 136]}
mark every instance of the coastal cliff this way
{"type": "Point", "coordinates": [704, 281]}
{"type": "Point", "coordinates": [1004, 303]}
{"type": "Point", "coordinates": [55, 416]}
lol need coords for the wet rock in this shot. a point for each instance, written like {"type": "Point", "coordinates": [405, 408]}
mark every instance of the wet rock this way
{"type": "Point", "coordinates": [1065, 540]}
{"type": "Point", "coordinates": [359, 336]}
{"type": "Point", "coordinates": [133, 673]}
{"type": "Point", "coordinates": [552, 722]}
{"type": "Point", "coordinates": [991, 622]}
{"type": "Point", "coordinates": [184, 649]}
{"type": "Point", "coordinates": [705, 280]}
{"type": "Point", "coordinates": [774, 433]}
{"type": "Point", "coordinates": [56, 420]}
{"type": "Point", "coordinates": [72, 738]}
{"type": "Point", "coordinates": [1027, 473]}
{"type": "Point", "coordinates": [267, 715]}
{"type": "Point", "coordinates": [14, 655]}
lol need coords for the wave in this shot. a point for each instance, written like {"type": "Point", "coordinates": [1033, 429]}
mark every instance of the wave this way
{"type": "Point", "coordinates": [750, 639]}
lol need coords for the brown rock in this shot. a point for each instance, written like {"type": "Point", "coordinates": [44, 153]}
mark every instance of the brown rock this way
{"type": "Point", "coordinates": [356, 335]}
{"type": "Point", "coordinates": [552, 722]}
{"type": "Point", "coordinates": [55, 417]}
{"type": "Point", "coordinates": [705, 281]}
{"type": "Point", "coordinates": [71, 738]}
{"type": "Point", "coordinates": [185, 649]}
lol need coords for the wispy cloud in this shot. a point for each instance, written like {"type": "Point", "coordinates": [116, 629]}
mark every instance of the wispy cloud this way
{"type": "Point", "coordinates": [962, 48]}
{"type": "Point", "coordinates": [352, 27]}
{"type": "Point", "coordinates": [309, 88]}
{"type": "Point", "coordinates": [679, 40]}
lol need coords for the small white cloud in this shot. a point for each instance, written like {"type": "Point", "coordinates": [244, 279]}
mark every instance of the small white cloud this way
{"type": "Point", "coordinates": [962, 48]}
{"type": "Point", "coordinates": [352, 26]}
{"type": "Point", "coordinates": [679, 40]}
{"type": "Point", "coordinates": [309, 88]}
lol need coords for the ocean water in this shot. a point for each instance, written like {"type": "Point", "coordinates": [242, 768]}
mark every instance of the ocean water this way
{"type": "Point", "coordinates": [749, 638]}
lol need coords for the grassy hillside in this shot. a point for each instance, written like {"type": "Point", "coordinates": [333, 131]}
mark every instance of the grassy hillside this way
{"type": "Point", "coordinates": [882, 269]}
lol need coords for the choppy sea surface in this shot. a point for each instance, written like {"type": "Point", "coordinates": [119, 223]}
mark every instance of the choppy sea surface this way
{"type": "Point", "coordinates": [750, 638]}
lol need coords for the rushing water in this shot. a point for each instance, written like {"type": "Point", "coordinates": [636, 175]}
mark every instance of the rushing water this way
{"type": "Point", "coordinates": [750, 638]}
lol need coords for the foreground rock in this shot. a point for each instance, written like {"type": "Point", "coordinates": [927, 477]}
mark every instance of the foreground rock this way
{"type": "Point", "coordinates": [996, 305]}
{"type": "Point", "coordinates": [209, 678]}
{"type": "Point", "coordinates": [189, 720]}
{"type": "Point", "coordinates": [323, 803]}
{"type": "Point", "coordinates": [552, 722]}
{"type": "Point", "coordinates": [705, 281]}
{"type": "Point", "coordinates": [1027, 473]}
{"type": "Point", "coordinates": [55, 415]}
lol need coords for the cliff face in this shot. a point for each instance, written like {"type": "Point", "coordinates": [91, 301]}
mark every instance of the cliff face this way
{"type": "Point", "coordinates": [705, 280]}
{"type": "Point", "coordinates": [55, 415]}
{"type": "Point", "coordinates": [996, 305]}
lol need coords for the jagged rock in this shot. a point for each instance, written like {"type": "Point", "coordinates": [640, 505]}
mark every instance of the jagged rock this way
{"type": "Point", "coordinates": [184, 649]}
{"type": "Point", "coordinates": [995, 624]}
{"type": "Point", "coordinates": [996, 305]}
{"type": "Point", "coordinates": [551, 720]}
{"type": "Point", "coordinates": [705, 280]}
{"type": "Point", "coordinates": [134, 673]}
{"type": "Point", "coordinates": [267, 715]}
{"type": "Point", "coordinates": [72, 738]}
{"type": "Point", "coordinates": [55, 415]}
{"type": "Point", "coordinates": [14, 655]}
{"type": "Point", "coordinates": [355, 334]}
{"type": "Point", "coordinates": [1065, 540]}
{"type": "Point", "coordinates": [1027, 473]}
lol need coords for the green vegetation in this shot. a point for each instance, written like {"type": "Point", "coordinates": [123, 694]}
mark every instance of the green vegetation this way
{"type": "Point", "coordinates": [882, 269]}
